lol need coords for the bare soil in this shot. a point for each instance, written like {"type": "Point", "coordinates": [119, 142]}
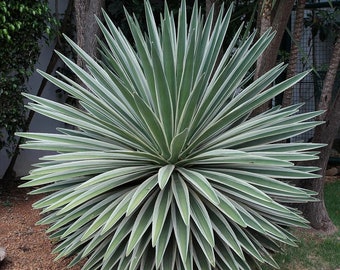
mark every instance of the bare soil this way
{"type": "Point", "coordinates": [27, 245]}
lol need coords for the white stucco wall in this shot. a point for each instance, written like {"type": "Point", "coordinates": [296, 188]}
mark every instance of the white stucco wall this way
{"type": "Point", "coordinates": [39, 123]}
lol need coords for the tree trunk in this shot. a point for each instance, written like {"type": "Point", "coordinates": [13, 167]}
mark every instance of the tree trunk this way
{"type": "Point", "coordinates": [294, 50]}
{"type": "Point", "coordinates": [326, 94]}
{"type": "Point", "coordinates": [263, 24]}
{"type": "Point", "coordinates": [87, 27]}
{"type": "Point", "coordinates": [279, 17]}
{"type": "Point", "coordinates": [209, 4]}
{"type": "Point", "coordinates": [316, 212]}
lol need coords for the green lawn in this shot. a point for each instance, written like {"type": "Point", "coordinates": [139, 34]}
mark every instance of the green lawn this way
{"type": "Point", "coordinates": [316, 251]}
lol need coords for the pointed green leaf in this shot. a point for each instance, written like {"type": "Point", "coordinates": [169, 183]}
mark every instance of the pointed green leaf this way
{"type": "Point", "coordinates": [142, 191]}
{"type": "Point", "coordinates": [182, 233]}
{"type": "Point", "coordinates": [142, 223]}
{"type": "Point", "coordinates": [160, 213]}
{"type": "Point", "coordinates": [201, 184]}
{"type": "Point", "coordinates": [207, 249]}
{"type": "Point", "coordinates": [164, 174]}
{"type": "Point", "coordinates": [118, 212]}
{"type": "Point", "coordinates": [181, 194]}
{"type": "Point", "coordinates": [163, 242]}
{"type": "Point", "coordinates": [201, 218]}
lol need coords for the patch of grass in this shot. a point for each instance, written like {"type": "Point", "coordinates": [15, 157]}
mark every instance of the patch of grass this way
{"type": "Point", "coordinates": [332, 201]}
{"type": "Point", "coordinates": [315, 251]}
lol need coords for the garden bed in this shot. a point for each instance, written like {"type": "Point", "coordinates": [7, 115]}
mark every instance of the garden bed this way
{"type": "Point", "coordinates": [27, 246]}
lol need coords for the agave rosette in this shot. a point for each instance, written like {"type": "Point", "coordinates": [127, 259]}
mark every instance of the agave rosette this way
{"type": "Point", "coordinates": [165, 168]}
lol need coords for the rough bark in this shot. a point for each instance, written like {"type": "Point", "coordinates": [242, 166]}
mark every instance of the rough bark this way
{"type": "Point", "coordinates": [278, 21]}
{"type": "Point", "coordinates": [208, 6]}
{"type": "Point", "coordinates": [279, 17]}
{"type": "Point", "coordinates": [263, 24]}
{"type": "Point", "coordinates": [87, 27]}
{"type": "Point", "coordinates": [326, 94]}
{"type": "Point", "coordinates": [316, 212]}
{"type": "Point", "coordinates": [294, 50]}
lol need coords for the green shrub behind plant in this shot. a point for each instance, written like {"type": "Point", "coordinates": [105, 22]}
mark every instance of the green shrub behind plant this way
{"type": "Point", "coordinates": [22, 25]}
{"type": "Point", "coordinates": [166, 170]}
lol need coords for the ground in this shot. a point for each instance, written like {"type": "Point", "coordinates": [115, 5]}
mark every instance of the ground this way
{"type": "Point", "coordinates": [27, 246]}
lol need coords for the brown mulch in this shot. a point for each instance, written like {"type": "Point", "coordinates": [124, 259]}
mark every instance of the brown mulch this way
{"type": "Point", "coordinates": [27, 245]}
{"type": "Point", "coordinates": [332, 179]}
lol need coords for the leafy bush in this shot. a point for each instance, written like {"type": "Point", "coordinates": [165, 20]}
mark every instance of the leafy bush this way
{"type": "Point", "coordinates": [22, 25]}
{"type": "Point", "coordinates": [166, 170]}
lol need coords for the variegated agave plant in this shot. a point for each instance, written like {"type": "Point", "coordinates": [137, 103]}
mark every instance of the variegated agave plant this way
{"type": "Point", "coordinates": [166, 170]}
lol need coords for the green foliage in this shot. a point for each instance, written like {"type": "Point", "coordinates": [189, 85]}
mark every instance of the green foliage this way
{"type": "Point", "coordinates": [332, 200]}
{"type": "Point", "coordinates": [22, 25]}
{"type": "Point", "coordinates": [166, 170]}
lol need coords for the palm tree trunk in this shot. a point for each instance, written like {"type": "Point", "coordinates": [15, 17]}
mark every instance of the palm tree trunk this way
{"type": "Point", "coordinates": [87, 27]}
{"type": "Point", "coordinates": [326, 94]}
{"type": "Point", "coordinates": [279, 16]}
{"type": "Point", "coordinates": [316, 212]}
{"type": "Point", "coordinates": [294, 51]}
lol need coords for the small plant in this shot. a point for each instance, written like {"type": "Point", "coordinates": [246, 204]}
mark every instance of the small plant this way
{"type": "Point", "coordinates": [166, 169]}
{"type": "Point", "coordinates": [7, 203]}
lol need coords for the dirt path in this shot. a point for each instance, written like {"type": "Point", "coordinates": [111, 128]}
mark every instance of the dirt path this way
{"type": "Point", "coordinates": [27, 246]}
